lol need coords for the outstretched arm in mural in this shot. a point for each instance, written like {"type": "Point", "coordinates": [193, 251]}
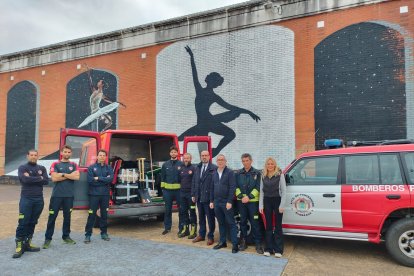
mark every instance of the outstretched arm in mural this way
{"type": "Point", "coordinates": [197, 84]}
{"type": "Point", "coordinates": [233, 110]}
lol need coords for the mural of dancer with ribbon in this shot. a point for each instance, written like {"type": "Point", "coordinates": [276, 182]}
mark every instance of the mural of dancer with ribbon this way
{"type": "Point", "coordinates": [98, 113]}
{"type": "Point", "coordinates": [207, 122]}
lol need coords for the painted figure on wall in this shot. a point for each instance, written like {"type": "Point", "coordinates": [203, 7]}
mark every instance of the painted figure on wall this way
{"type": "Point", "coordinates": [207, 122]}
{"type": "Point", "coordinates": [91, 100]}
{"type": "Point", "coordinates": [98, 113]}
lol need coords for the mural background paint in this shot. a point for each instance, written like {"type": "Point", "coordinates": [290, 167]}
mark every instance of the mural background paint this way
{"type": "Point", "coordinates": [360, 85]}
{"type": "Point", "coordinates": [21, 125]}
{"type": "Point", "coordinates": [78, 94]}
{"type": "Point", "coordinates": [257, 65]}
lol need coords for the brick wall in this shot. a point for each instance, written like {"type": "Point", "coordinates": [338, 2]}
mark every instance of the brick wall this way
{"type": "Point", "coordinates": [140, 75]}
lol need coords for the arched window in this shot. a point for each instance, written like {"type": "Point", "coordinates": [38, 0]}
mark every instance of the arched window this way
{"type": "Point", "coordinates": [80, 103]}
{"type": "Point", "coordinates": [360, 91]}
{"type": "Point", "coordinates": [22, 123]}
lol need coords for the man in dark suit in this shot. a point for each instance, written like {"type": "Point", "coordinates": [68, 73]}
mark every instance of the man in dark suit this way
{"type": "Point", "coordinates": [200, 192]}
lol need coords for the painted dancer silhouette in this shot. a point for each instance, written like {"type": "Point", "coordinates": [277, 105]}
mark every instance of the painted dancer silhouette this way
{"type": "Point", "coordinates": [207, 122]}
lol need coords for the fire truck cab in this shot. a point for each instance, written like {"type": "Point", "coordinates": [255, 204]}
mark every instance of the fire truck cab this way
{"type": "Point", "coordinates": [136, 158]}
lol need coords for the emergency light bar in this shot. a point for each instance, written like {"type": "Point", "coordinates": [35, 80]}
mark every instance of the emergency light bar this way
{"type": "Point", "coordinates": [333, 143]}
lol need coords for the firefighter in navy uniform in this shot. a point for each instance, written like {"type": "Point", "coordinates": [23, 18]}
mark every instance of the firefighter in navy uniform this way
{"type": "Point", "coordinates": [187, 206]}
{"type": "Point", "coordinates": [63, 174]}
{"type": "Point", "coordinates": [170, 183]}
{"type": "Point", "coordinates": [32, 178]}
{"type": "Point", "coordinates": [100, 177]}
{"type": "Point", "coordinates": [247, 193]}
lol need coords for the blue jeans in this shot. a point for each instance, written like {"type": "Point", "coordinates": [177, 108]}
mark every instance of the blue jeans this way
{"type": "Point", "coordinates": [169, 196]}
{"type": "Point", "coordinates": [226, 217]}
{"type": "Point", "coordinates": [204, 211]}
{"type": "Point", "coordinates": [249, 211]}
{"type": "Point", "coordinates": [66, 203]}
{"type": "Point", "coordinates": [30, 209]}
{"type": "Point", "coordinates": [96, 201]}
{"type": "Point", "coordinates": [187, 210]}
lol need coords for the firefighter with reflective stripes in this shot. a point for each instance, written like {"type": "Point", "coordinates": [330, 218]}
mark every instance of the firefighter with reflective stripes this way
{"type": "Point", "coordinates": [100, 177]}
{"type": "Point", "coordinates": [63, 174]}
{"type": "Point", "coordinates": [188, 214]}
{"type": "Point", "coordinates": [247, 193]}
{"type": "Point", "coordinates": [32, 178]}
{"type": "Point", "coordinates": [170, 185]}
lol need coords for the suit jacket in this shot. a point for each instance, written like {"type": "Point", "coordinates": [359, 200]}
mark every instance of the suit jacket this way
{"type": "Point", "coordinates": [201, 187]}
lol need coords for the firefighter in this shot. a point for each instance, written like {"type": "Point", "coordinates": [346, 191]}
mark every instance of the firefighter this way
{"type": "Point", "coordinates": [32, 178]}
{"type": "Point", "coordinates": [100, 177]}
{"type": "Point", "coordinates": [202, 185]}
{"type": "Point", "coordinates": [221, 199]}
{"type": "Point", "coordinates": [187, 206]}
{"type": "Point", "coordinates": [247, 193]}
{"type": "Point", "coordinates": [170, 174]}
{"type": "Point", "coordinates": [63, 173]}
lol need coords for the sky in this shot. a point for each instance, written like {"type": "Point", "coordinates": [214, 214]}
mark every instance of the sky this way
{"type": "Point", "coordinates": [27, 24]}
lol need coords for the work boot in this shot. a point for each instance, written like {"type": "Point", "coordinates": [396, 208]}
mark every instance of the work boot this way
{"type": "Point", "coordinates": [29, 247]}
{"type": "Point", "coordinates": [19, 249]}
{"type": "Point", "coordinates": [87, 239]}
{"type": "Point", "coordinates": [243, 245]}
{"type": "Point", "coordinates": [68, 240]}
{"type": "Point", "coordinates": [193, 231]}
{"type": "Point", "coordinates": [46, 244]}
{"type": "Point", "coordinates": [105, 237]}
{"type": "Point", "coordinates": [259, 249]}
{"type": "Point", "coordinates": [184, 232]}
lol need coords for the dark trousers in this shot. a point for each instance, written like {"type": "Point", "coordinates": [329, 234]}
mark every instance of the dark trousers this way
{"type": "Point", "coordinates": [274, 233]}
{"type": "Point", "coordinates": [169, 196]}
{"type": "Point", "coordinates": [66, 203]}
{"type": "Point", "coordinates": [250, 211]}
{"type": "Point", "coordinates": [101, 201]}
{"type": "Point", "coordinates": [226, 218]}
{"type": "Point", "coordinates": [30, 209]}
{"type": "Point", "coordinates": [205, 212]}
{"type": "Point", "coordinates": [187, 209]}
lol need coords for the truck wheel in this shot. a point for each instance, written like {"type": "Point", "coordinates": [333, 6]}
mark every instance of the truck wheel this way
{"type": "Point", "coordinates": [399, 241]}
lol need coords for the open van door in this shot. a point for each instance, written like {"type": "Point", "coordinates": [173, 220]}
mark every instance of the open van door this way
{"type": "Point", "coordinates": [85, 144]}
{"type": "Point", "coordinates": [195, 145]}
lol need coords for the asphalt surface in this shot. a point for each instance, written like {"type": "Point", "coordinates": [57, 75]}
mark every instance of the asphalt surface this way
{"type": "Point", "coordinates": [304, 256]}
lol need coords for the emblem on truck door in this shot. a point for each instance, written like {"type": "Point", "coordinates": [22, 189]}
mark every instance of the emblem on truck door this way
{"type": "Point", "coordinates": [302, 205]}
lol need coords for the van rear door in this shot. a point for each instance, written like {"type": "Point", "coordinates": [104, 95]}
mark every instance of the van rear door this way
{"type": "Point", "coordinates": [195, 145]}
{"type": "Point", "coordinates": [85, 145]}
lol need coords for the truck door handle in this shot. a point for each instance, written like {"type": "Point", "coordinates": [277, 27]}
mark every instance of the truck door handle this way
{"type": "Point", "coordinates": [393, 196]}
{"type": "Point", "coordinates": [328, 195]}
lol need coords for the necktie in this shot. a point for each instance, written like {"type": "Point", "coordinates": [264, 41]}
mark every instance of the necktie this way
{"type": "Point", "coordinates": [203, 171]}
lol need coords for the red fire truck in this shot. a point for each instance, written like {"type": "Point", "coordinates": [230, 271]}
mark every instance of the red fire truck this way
{"type": "Point", "coordinates": [136, 157]}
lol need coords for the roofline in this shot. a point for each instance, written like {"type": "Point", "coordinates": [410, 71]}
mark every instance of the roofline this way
{"type": "Point", "coordinates": [139, 132]}
{"type": "Point", "coordinates": [233, 17]}
{"type": "Point", "coordinates": [359, 150]}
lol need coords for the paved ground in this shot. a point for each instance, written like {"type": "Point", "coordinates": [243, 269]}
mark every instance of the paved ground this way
{"type": "Point", "coordinates": [126, 256]}
{"type": "Point", "coordinates": [306, 256]}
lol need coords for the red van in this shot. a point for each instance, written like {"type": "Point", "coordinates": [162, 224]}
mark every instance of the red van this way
{"type": "Point", "coordinates": [136, 157]}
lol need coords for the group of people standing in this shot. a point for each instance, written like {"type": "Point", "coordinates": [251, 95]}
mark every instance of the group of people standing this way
{"type": "Point", "coordinates": [213, 188]}
{"type": "Point", "coordinates": [63, 173]}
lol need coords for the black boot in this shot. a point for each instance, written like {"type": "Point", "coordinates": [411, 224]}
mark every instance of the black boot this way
{"type": "Point", "coordinates": [184, 232]}
{"type": "Point", "coordinates": [19, 248]}
{"type": "Point", "coordinates": [29, 247]}
{"type": "Point", "coordinates": [243, 245]}
{"type": "Point", "coordinates": [259, 249]}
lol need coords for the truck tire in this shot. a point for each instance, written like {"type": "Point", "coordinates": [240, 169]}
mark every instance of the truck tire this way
{"type": "Point", "coordinates": [399, 241]}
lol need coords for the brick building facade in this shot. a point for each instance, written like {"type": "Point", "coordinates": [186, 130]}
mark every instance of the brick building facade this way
{"type": "Point", "coordinates": [280, 77]}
